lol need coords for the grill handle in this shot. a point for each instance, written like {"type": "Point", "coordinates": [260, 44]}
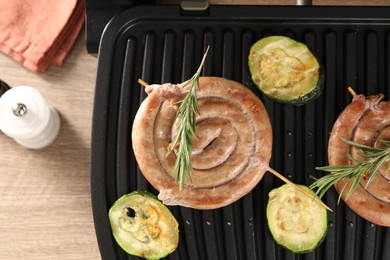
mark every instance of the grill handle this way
{"type": "Point", "coordinates": [202, 5]}
{"type": "Point", "coordinates": [304, 2]}
{"type": "Point", "coordinates": [194, 5]}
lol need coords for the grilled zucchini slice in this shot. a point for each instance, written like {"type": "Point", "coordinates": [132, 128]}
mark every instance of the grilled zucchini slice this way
{"type": "Point", "coordinates": [285, 70]}
{"type": "Point", "coordinates": [143, 226]}
{"type": "Point", "coordinates": [295, 220]}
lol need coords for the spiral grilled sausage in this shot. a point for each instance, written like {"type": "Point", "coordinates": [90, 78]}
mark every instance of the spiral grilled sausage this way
{"type": "Point", "coordinates": [365, 121]}
{"type": "Point", "coordinates": [230, 154]}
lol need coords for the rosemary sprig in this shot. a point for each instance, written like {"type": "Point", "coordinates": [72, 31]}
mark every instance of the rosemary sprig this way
{"type": "Point", "coordinates": [374, 159]}
{"type": "Point", "coordinates": [187, 112]}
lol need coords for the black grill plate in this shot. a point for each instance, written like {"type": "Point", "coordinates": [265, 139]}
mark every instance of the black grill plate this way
{"type": "Point", "coordinates": [164, 44]}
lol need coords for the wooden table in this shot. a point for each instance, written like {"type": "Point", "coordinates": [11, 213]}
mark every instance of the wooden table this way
{"type": "Point", "coordinates": [45, 207]}
{"type": "Point", "coordinates": [45, 202]}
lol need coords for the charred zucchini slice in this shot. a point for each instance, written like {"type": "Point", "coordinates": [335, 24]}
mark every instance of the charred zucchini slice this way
{"type": "Point", "coordinates": [143, 226]}
{"type": "Point", "coordinates": [295, 220]}
{"type": "Point", "coordinates": [285, 70]}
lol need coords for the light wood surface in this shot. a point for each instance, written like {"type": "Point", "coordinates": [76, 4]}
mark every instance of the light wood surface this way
{"type": "Point", "coordinates": [45, 202]}
{"type": "Point", "coordinates": [45, 208]}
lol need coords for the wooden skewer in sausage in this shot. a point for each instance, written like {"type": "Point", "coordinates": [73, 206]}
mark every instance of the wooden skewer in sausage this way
{"type": "Point", "coordinates": [365, 121]}
{"type": "Point", "coordinates": [230, 155]}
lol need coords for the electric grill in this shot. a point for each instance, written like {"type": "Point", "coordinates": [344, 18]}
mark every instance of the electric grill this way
{"type": "Point", "coordinates": [164, 43]}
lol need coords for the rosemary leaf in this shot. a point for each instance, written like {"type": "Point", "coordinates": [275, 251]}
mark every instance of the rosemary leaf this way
{"type": "Point", "coordinates": [187, 112]}
{"type": "Point", "coordinates": [374, 159]}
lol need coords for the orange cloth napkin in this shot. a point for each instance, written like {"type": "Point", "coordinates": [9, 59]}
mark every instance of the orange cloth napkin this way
{"type": "Point", "coordinates": [37, 33]}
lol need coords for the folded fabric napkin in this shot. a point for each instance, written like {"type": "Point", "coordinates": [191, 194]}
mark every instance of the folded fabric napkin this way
{"type": "Point", "coordinates": [37, 33]}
